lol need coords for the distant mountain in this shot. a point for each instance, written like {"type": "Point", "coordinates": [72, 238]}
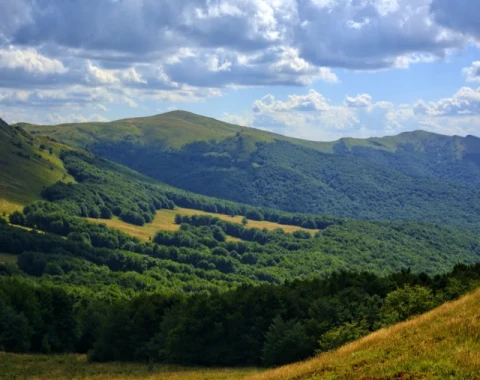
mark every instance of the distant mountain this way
{"type": "Point", "coordinates": [412, 176]}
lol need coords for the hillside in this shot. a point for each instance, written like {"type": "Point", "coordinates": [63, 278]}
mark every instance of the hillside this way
{"type": "Point", "coordinates": [413, 176]}
{"type": "Point", "coordinates": [28, 164]}
{"type": "Point", "coordinates": [442, 344]}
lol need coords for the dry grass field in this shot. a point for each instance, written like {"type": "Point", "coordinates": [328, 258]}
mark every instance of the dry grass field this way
{"type": "Point", "coordinates": [165, 220]}
{"type": "Point", "coordinates": [442, 344]}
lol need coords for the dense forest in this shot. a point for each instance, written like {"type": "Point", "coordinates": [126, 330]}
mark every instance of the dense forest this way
{"type": "Point", "coordinates": [248, 325]}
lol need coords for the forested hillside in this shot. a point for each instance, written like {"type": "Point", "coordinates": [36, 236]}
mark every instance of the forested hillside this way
{"type": "Point", "coordinates": [414, 176]}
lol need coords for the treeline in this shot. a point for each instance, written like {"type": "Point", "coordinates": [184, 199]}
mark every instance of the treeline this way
{"type": "Point", "coordinates": [252, 325]}
{"type": "Point", "coordinates": [261, 236]}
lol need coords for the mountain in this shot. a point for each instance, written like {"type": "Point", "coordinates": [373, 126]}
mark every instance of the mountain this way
{"type": "Point", "coordinates": [413, 176]}
{"type": "Point", "coordinates": [442, 344]}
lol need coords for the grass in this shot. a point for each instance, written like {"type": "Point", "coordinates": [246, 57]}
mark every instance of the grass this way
{"type": "Point", "coordinates": [6, 258]}
{"type": "Point", "coordinates": [60, 367]}
{"type": "Point", "coordinates": [165, 220]}
{"type": "Point", "coordinates": [442, 344]}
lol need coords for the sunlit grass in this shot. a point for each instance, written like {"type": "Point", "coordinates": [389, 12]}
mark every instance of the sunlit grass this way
{"type": "Point", "coordinates": [165, 220]}
{"type": "Point", "coordinates": [59, 367]}
{"type": "Point", "coordinates": [442, 344]}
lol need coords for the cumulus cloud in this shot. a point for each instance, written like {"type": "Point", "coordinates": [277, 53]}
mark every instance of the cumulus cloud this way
{"type": "Point", "coordinates": [313, 101]}
{"type": "Point", "coordinates": [465, 101]}
{"type": "Point", "coordinates": [314, 117]}
{"type": "Point", "coordinates": [29, 60]}
{"type": "Point", "coordinates": [359, 101]}
{"type": "Point", "coordinates": [472, 73]}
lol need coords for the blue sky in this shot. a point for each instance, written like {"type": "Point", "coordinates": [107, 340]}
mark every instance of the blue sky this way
{"type": "Point", "coordinates": [314, 69]}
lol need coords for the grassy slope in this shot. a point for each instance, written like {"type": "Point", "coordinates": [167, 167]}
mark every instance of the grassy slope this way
{"type": "Point", "coordinates": [60, 367]}
{"type": "Point", "coordinates": [442, 344]}
{"type": "Point", "coordinates": [170, 130]}
{"type": "Point", "coordinates": [22, 179]}
{"type": "Point", "coordinates": [165, 220]}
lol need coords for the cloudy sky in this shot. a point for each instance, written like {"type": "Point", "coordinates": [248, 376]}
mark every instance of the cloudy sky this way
{"type": "Point", "coordinates": [315, 69]}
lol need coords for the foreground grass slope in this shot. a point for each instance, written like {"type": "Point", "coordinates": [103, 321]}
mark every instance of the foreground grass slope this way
{"type": "Point", "coordinates": [441, 344]}
{"type": "Point", "coordinates": [60, 367]}
{"type": "Point", "coordinates": [413, 176]}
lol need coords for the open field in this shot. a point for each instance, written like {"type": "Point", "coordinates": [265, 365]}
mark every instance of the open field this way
{"type": "Point", "coordinates": [6, 258]}
{"type": "Point", "coordinates": [442, 344]}
{"type": "Point", "coordinates": [60, 367]}
{"type": "Point", "coordinates": [165, 220]}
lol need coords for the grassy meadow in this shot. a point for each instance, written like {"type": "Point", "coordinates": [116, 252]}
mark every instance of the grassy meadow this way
{"type": "Point", "coordinates": [442, 344]}
{"type": "Point", "coordinates": [70, 366]}
{"type": "Point", "coordinates": [165, 220]}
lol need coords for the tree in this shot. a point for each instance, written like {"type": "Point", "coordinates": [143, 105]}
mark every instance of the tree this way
{"type": "Point", "coordinates": [340, 335]}
{"type": "Point", "coordinates": [405, 303]}
{"type": "Point", "coordinates": [18, 218]}
{"type": "Point", "coordinates": [286, 342]}
{"type": "Point", "coordinates": [244, 221]}
{"type": "Point", "coordinates": [106, 213]}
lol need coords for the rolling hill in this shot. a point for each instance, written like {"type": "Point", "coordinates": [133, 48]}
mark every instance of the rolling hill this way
{"type": "Point", "coordinates": [413, 176]}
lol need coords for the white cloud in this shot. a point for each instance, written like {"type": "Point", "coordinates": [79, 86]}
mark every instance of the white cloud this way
{"type": "Point", "coordinates": [313, 101]}
{"type": "Point", "coordinates": [313, 117]}
{"type": "Point", "coordinates": [472, 73]}
{"type": "Point", "coordinates": [359, 101]}
{"type": "Point", "coordinates": [465, 101]}
{"type": "Point", "coordinates": [30, 61]}
{"type": "Point", "coordinates": [96, 75]}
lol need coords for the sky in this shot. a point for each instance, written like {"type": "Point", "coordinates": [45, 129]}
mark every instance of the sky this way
{"type": "Point", "coordinates": [313, 69]}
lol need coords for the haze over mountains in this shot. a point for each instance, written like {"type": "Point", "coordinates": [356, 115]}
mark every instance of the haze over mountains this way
{"type": "Point", "coordinates": [412, 176]}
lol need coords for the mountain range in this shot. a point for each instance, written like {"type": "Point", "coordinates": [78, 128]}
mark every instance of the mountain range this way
{"type": "Point", "coordinates": [416, 175]}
